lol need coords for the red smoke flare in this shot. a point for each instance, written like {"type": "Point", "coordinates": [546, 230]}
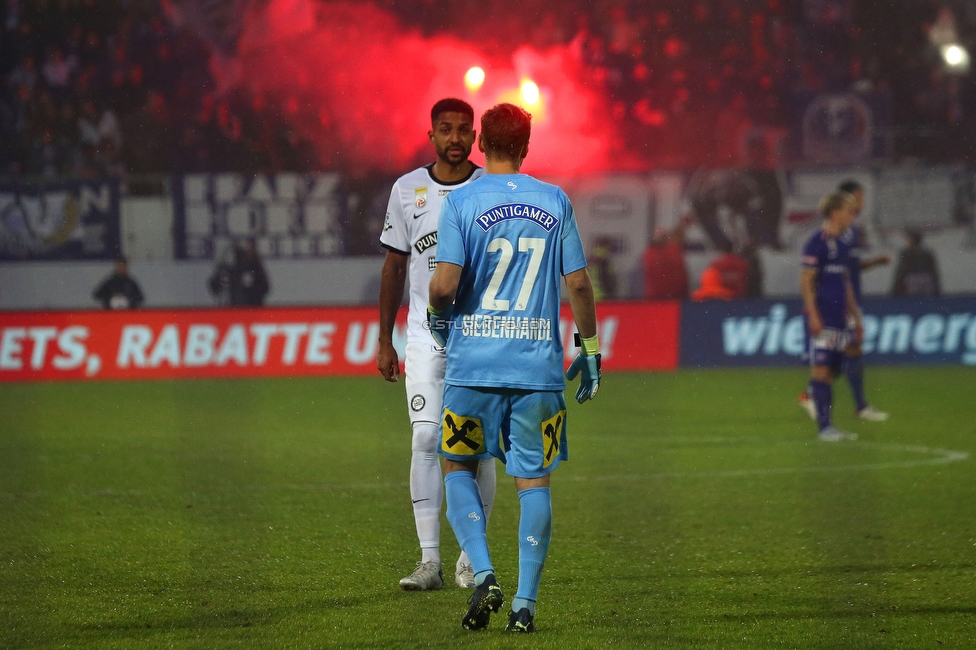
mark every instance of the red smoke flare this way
{"type": "Point", "coordinates": [353, 75]}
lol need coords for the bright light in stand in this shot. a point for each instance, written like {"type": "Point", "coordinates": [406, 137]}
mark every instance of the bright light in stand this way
{"type": "Point", "coordinates": [530, 92]}
{"type": "Point", "coordinates": [473, 78]}
{"type": "Point", "coordinates": [954, 54]}
{"type": "Point", "coordinates": [956, 57]}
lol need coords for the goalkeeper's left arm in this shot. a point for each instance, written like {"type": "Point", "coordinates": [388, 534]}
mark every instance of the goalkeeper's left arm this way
{"type": "Point", "coordinates": [588, 361]}
{"type": "Point", "coordinates": [441, 292]}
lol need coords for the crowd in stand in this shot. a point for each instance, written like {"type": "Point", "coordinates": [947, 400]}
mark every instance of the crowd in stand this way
{"type": "Point", "coordinates": [106, 87]}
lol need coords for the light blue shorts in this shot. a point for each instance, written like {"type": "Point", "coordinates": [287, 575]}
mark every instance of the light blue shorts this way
{"type": "Point", "coordinates": [524, 429]}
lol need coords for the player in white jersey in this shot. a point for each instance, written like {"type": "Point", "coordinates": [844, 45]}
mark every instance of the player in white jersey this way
{"type": "Point", "coordinates": [410, 239]}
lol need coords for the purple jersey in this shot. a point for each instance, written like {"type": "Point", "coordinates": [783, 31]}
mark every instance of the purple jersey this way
{"type": "Point", "coordinates": [854, 238]}
{"type": "Point", "coordinates": [830, 257]}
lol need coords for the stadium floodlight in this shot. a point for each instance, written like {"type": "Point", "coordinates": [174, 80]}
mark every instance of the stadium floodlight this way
{"type": "Point", "coordinates": [956, 57]}
{"type": "Point", "coordinates": [530, 92]}
{"type": "Point", "coordinates": [474, 78]}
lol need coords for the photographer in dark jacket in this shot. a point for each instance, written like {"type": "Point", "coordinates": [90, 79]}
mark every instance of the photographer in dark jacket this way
{"type": "Point", "coordinates": [243, 281]}
{"type": "Point", "coordinates": [119, 290]}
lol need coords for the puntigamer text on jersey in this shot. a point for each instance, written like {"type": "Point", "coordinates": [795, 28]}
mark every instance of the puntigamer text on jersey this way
{"type": "Point", "coordinates": [508, 211]}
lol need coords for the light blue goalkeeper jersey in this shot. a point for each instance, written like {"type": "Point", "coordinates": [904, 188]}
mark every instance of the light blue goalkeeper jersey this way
{"type": "Point", "coordinates": [514, 237]}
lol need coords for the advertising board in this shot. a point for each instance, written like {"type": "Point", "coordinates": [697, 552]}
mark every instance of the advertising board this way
{"type": "Point", "coordinates": [167, 344]}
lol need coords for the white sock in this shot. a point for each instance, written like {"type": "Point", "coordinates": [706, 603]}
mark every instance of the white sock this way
{"type": "Point", "coordinates": [426, 489]}
{"type": "Point", "coordinates": [486, 486]}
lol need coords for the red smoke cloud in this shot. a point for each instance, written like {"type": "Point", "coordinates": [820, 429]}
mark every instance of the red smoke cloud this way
{"type": "Point", "coordinates": [351, 74]}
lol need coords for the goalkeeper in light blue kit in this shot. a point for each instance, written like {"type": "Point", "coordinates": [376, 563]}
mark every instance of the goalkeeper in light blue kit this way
{"type": "Point", "coordinates": [504, 242]}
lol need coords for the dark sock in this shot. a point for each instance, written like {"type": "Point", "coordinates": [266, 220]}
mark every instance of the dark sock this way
{"type": "Point", "coordinates": [854, 369]}
{"type": "Point", "coordinates": [823, 398]}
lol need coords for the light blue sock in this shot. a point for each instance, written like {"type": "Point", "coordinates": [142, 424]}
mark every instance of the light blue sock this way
{"type": "Point", "coordinates": [523, 603]}
{"type": "Point", "coordinates": [535, 531]}
{"type": "Point", "coordinates": [467, 518]}
{"type": "Point", "coordinates": [480, 577]}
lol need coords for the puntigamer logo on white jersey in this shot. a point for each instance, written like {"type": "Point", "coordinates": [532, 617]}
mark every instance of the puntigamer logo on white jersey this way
{"type": "Point", "coordinates": [500, 213]}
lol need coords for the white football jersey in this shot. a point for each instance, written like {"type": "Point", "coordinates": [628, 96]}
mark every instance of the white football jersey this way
{"type": "Point", "coordinates": [411, 229]}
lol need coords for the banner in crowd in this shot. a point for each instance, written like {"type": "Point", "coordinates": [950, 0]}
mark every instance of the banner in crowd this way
{"type": "Point", "coordinates": [155, 344]}
{"type": "Point", "coordinates": [288, 216]}
{"type": "Point", "coordinates": [59, 220]}
{"type": "Point", "coordinates": [771, 333]}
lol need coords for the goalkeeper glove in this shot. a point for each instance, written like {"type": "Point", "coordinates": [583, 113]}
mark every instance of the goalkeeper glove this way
{"type": "Point", "coordinates": [439, 324]}
{"type": "Point", "coordinates": [587, 362]}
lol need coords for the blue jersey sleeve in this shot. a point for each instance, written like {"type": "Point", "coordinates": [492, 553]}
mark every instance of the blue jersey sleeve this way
{"type": "Point", "coordinates": [450, 239]}
{"type": "Point", "coordinates": [574, 258]}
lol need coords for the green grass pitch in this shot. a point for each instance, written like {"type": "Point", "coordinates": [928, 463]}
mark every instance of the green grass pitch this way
{"type": "Point", "coordinates": [697, 510]}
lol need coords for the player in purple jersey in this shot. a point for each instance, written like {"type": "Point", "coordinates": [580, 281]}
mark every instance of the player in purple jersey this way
{"type": "Point", "coordinates": [853, 355]}
{"type": "Point", "coordinates": [828, 304]}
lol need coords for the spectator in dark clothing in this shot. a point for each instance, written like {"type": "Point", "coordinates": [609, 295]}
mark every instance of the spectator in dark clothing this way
{"type": "Point", "coordinates": [149, 135]}
{"type": "Point", "coordinates": [25, 75]}
{"type": "Point", "coordinates": [45, 157]}
{"type": "Point", "coordinates": [119, 290]}
{"type": "Point", "coordinates": [242, 281]}
{"type": "Point", "coordinates": [754, 278]}
{"type": "Point", "coordinates": [917, 273]}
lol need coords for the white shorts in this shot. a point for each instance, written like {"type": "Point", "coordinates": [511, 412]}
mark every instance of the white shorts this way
{"type": "Point", "coordinates": [424, 381]}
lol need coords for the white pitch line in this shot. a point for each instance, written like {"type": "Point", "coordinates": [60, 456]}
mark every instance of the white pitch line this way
{"type": "Point", "coordinates": [939, 457]}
